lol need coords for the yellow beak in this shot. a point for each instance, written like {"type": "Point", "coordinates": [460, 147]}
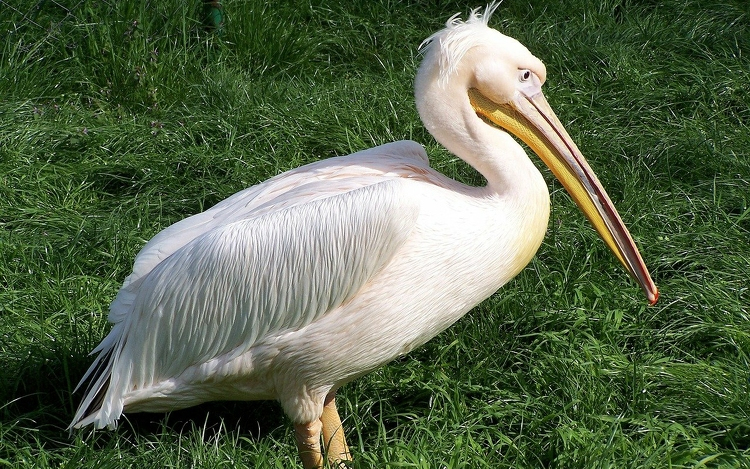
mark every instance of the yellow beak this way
{"type": "Point", "coordinates": [531, 119]}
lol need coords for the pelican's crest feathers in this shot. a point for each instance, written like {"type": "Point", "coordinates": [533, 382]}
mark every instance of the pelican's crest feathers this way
{"type": "Point", "coordinates": [457, 38]}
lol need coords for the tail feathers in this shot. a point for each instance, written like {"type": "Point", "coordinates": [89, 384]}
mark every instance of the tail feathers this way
{"type": "Point", "coordinates": [98, 406]}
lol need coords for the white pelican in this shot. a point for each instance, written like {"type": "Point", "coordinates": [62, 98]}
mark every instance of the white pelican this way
{"type": "Point", "coordinates": [293, 287]}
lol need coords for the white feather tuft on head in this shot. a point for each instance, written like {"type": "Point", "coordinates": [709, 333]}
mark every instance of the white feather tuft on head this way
{"type": "Point", "coordinates": [457, 38]}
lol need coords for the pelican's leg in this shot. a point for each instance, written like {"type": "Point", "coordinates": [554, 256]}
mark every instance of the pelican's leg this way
{"type": "Point", "coordinates": [308, 444]}
{"type": "Point", "coordinates": [333, 433]}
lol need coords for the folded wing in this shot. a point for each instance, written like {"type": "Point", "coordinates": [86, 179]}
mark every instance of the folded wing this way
{"type": "Point", "coordinates": [256, 267]}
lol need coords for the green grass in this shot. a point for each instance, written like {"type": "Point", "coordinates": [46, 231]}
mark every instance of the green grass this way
{"type": "Point", "coordinates": [119, 118]}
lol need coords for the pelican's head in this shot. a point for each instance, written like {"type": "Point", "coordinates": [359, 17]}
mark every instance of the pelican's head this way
{"type": "Point", "coordinates": [472, 53]}
{"type": "Point", "coordinates": [502, 81]}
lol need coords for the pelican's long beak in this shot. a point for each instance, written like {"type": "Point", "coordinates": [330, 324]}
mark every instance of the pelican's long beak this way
{"type": "Point", "coordinates": [531, 119]}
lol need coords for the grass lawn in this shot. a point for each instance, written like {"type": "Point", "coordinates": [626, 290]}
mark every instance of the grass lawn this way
{"type": "Point", "coordinates": [118, 118]}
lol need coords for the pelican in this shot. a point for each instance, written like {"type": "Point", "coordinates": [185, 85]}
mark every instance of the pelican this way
{"type": "Point", "coordinates": [296, 286]}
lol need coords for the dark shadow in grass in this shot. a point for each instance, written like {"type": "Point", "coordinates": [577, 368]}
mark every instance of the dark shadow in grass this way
{"type": "Point", "coordinates": [118, 180]}
{"type": "Point", "coordinates": [253, 419]}
{"type": "Point", "coordinates": [37, 404]}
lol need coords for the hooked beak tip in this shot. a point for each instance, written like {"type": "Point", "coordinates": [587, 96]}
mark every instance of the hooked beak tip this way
{"type": "Point", "coordinates": [653, 297]}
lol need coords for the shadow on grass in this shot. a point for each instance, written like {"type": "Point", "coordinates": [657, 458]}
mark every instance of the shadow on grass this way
{"type": "Point", "coordinates": [38, 405]}
{"type": "Point", "coordinates": [253, 419]}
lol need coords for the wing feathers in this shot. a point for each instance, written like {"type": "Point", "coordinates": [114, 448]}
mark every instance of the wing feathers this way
{"type": "Point", "coordinates": [304, 184]}
{"type": "Point", "coordinates": [244, 282]}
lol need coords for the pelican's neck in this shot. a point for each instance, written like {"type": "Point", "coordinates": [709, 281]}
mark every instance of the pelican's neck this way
{"type": "Point", "coordinates": [448, 115]}
{"type": "Point", "coordinates": [516, 199]}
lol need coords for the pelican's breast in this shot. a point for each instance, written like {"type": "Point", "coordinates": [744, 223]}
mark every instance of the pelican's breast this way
{"type": "Point", "coordinates": [465, 245]}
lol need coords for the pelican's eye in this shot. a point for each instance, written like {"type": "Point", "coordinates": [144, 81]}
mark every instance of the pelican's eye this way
{"type": "Point", "coordinates": [528, 82]}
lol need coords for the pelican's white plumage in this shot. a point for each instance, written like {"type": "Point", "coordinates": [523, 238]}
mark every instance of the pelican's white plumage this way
{"type": "Point", "coordinates": [294, 287]}
{"type": "Point", "coordinates": [355, 213]}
